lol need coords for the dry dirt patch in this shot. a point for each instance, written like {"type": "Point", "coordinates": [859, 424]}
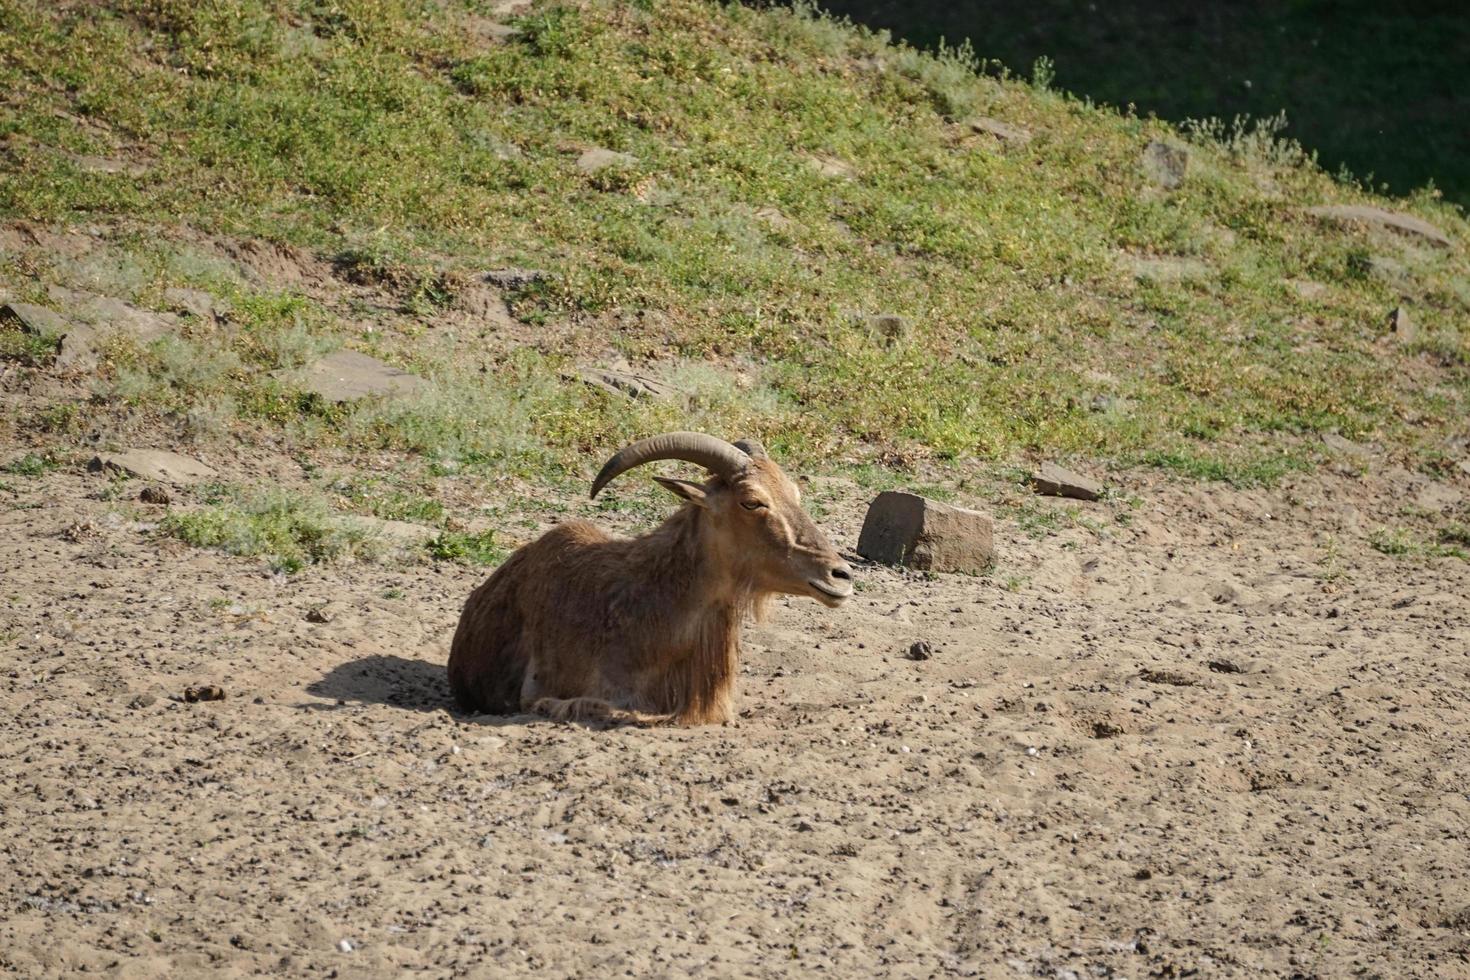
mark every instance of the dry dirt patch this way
{"type": "Point", "coordinates": [1044, 793]}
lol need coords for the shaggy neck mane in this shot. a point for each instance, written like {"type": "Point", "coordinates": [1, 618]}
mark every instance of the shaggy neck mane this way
{"type": "Point", "coordinates": [691, 605]}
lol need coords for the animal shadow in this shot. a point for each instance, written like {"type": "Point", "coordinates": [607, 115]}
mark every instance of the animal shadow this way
{"type": "Point", "coordinates": [414, 685]}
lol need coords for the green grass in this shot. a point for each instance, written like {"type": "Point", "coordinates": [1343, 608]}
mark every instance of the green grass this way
{"type": "Point", "coordinates": [1451, 542]}
{"type": "Point", "coordinates": [26, 347]}
{"type": "Point", "coordinates": [32, 464]}
{"type": "Point", "coordinates": [290, 531]}
{"type": "Point", "coordinates": [467, 548]}
{"type": "Point", "coordinates": [391, 140]}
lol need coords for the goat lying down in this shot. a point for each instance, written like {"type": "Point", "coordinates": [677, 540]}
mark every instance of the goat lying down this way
{"type": "Point", "coordinates": [582, 625]}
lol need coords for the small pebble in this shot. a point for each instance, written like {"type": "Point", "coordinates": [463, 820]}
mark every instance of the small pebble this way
{"type": "Point", "coordinates": [345, 945]}
{"type": "Point", "coordinates": [921, 650]}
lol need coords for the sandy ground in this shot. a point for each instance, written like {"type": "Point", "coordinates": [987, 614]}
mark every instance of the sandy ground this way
{"type": "Point", "coordinates": [1226, 739]}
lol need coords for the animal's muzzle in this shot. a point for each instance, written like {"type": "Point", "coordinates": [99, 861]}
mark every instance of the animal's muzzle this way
{"type": "Point", "coordinates": [835, 586]}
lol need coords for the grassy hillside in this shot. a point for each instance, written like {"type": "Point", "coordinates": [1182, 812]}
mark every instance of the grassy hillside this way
{"type": "Point", "coordinates": [1371, 87]}
{"type": "Point", "coordinates": [786, 179]}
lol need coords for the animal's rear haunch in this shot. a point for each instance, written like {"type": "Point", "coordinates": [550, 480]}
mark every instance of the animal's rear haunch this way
{"type": "Point", "coordinates": [579, 624]}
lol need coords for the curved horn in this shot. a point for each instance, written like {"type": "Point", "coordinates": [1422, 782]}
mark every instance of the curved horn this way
{"type": "Point", "coordinates": [751, 448]}
{"type": "Point", "coordinates": [715, 455]}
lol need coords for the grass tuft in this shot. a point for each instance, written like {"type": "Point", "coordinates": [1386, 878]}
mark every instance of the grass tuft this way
{"type": "Point", "coordinates": [290, 531]}
{"type": "Point", "coordinates": [467, 548]}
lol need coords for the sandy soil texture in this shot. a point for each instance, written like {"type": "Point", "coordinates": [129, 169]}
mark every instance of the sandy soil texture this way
{"type": "Point", "coordinates": [1225, 739]}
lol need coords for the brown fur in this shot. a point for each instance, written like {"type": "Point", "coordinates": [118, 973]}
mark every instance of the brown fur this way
{"type": "Point", "coordinates": [580, 625]}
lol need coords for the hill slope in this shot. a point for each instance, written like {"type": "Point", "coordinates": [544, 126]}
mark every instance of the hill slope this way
{"type": "Point", "coordinates": [782, 178]}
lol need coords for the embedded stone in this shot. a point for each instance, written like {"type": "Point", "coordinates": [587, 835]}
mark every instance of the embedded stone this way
{"type": "Point", "coordinates": [907, 529]}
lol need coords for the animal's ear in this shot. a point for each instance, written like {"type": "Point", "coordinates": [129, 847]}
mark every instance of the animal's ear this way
{"type": "Point", "coordinates": [690, 491]}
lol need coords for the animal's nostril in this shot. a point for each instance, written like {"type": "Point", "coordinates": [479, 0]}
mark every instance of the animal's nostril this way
{"type": "Point", "coordinates": [842, 574]}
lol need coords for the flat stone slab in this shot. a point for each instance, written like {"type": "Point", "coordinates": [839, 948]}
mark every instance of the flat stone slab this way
{"type": "Point", "coordinates": [1401, 326]}
{"type": "Point", "coordinates": [599, 158]}
{"type": "Point", "coordinates": [1005, 132]}
{"type": "Point", "coordinates": [158, 465]}
{"type": "Point", "coordinates": [398, 534]}
{"type": "Point", "coordinates": [626, 384]}
{"type": "Point", "coordinates": [348, 375]}
{"type": "Point", "coordinates": [35, 319]}
{"type": "Point", "coordinates": [1339, 444]}
{"type": "Point", "coordinates": [1165, 164]}
{"type": "Point", "coordinates": [830, 166]}
{"type": "Point", "coordinates": [907, 529]}
{"type": "Point", "coordinates": [1056, 481]}
{"type": "Point", "coordinates": [516, 278]}
{"type": "Point", "coordinates": [91, 317]}
{"type": "Point", "coordinates": [1167, 268]}
{"type": "Point", "coordinates": [1363, 214]}
{"type": "Point", "coordinates": [196, 301]}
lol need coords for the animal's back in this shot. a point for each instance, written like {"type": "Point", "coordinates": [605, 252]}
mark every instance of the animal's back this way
{"type": "Point", "coordinates": [490, 654]}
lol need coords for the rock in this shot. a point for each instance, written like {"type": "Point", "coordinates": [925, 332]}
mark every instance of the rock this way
{"type": "Point", "coordinates": [110, 312]}
{"type": "Point", "coordinates": [196, 302]}
{"type": "Point", "coordinates": [1307, 289]}
{"type": "Point", "coordinates": [204, 692]}
{"type": "Point", "coordinates": [889, 328]}
{"type": "Point", "coordinates": [920, 650]}
{"type": "Point", "coordinates": [1386, 270]}
{"type": "Point", "coordinates": [1055, 481]}
{"type": "Point", "coordinates": [1363, 214]}
{"type": "Point", "coordinates": [143, 701]}
{"type": "Point", "coordinates": [35, 319]}
{"type": "Point", "coordinates": [108, 165]}
{"type": "Point", "coordinates": [1464, 466]}
{"type": "Point", "coordinates": [906, 529]}
{"type": "Point", "coordinates": [91, 317]}
{"type": "Point", "coordinates": [1171, 677]}
{"type": "Point", "coordinates": [1400, 326]}
{"type": "Point", "coordinates": [491, 31]}
{"type": "Point", "coordinates": [399, 533]}
{"type": "Point", "coordinates": [324, 613]}
{"type": "Point", "coordinates": [1167, 268]}
{"type": "Point", "coordinates": [515, 278]}
{"type": "Point", "coordinates": [154, 495]}
{"type": "Point", "coordinates": [775, 218]}
{"type": "Point", "coordinates": [1338, 444]}
{"type": "Point", "coordinates": [158, 465]}
{"type": "Point", "coordinates": [829, 166]}
{"type": "Point", "coordinates": [78, 348]}
{"type": "Point", "coordinates": [1165, 164]}
{"type": "Point", "coordinates": [1006, 133]}
{"type": "Point", "coordinates": [599, 158]}
{"type": "Point", "coordinates": [347, 375]}
{"type": "Point", "coordinates": [1226, 667]}
{"type": "Point", "coordinates": [625, 384]}
{"type": "Point", "coordinates": [345, 945]}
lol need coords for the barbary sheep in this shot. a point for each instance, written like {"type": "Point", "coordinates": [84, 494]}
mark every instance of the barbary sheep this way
{"type": "Point", "coordinates": [580, 625]}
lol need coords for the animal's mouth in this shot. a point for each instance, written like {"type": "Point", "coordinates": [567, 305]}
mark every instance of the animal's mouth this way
{"type": "Point", "coordinates": [827, 595]}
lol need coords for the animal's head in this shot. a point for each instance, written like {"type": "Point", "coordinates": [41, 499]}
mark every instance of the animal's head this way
{"type": "Point", "coordinates": [755, 520]}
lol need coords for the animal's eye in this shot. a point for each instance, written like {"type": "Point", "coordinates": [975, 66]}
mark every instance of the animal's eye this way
{"type": "Point", "coordinates": [752, 504]}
